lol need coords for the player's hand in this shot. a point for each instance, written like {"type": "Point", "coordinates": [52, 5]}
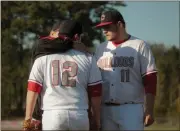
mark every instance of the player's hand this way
{"type": "Point", "coordinates": [148, 118]}
{"type": "Point", "coordinates": [32, 125]}
{"type": "Point", "coordinates": [105, 63]}
{"type": "Point", "coordinates": [94, 126]}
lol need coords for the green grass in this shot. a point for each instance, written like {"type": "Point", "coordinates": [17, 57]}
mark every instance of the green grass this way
{"type": "Point", "coordinates": [163, 127]}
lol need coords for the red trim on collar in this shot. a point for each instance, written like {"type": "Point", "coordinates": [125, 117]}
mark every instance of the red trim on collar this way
{"type": "Point", "coordinates": [120, 42]}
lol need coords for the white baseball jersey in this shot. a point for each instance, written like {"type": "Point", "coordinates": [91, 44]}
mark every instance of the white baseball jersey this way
{"type": "Point", "coordinates": [122, 69]}
{"type": "Point", "coordinates": [64, 78]}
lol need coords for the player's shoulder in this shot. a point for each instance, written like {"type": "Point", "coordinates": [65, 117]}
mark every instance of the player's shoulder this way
{"type": "Point", "coordinates": [86, 56]}
{"type": "Point", "coordinates": [139, 42]}
{"type": "Point", "coordinates": [83, 53]}
{"type": "Point", "coordinates": [41, 58]}
{"type": "Point", "coordinates": [40, 61]}
{"type": "Point", "coordinates": [100, 48]}
{"type": "Point", "coordinates": [136, 40]}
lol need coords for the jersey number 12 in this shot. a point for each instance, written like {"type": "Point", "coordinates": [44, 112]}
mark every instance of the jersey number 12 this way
{"type": "Point", "coordinates": [67, 75]}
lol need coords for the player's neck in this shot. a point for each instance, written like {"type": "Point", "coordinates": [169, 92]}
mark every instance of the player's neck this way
{"type": "Point", "coordinates": [122, 38]}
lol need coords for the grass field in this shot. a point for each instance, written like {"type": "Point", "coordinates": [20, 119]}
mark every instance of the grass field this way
{"type": "Point", "coordinates": [170, 124]}
{"type": "Point", "coordinates": [164, 127]}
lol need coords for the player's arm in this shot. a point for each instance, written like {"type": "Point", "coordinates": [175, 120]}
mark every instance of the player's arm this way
{"type": "Point", "coordinates": [95, 99]}
{"type": "Point", "coordinates": [30, 103]}
{"type": "Point", "coordinates": [150, 90]}
{"type": "Point", "coordinates": [149, 77]}
{"type": "Point", "coordinates": [34, 87]}
{"type": "Point", "coordinates": [95, 91]}
{"type": "Point", "coordinates": [150, 82]}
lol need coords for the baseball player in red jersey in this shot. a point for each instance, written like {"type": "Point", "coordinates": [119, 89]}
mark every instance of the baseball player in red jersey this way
{"type": "Point", "coordinates": [64, 80]}
{"type": "Point", "coordinates": [129, 74]}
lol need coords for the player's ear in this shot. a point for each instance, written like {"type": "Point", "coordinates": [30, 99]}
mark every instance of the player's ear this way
{"type": "Point", "coordinates": [120, 24]}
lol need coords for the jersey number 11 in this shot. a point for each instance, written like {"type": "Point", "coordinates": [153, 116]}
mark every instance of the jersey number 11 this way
{"type": "Point", "coordinates": [125, 75]}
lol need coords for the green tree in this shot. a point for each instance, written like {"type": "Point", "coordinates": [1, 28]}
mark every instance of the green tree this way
{"type": "Point", "coordinates": [174, 64]}
{"type": "Point", "coordinates": [168, 63]}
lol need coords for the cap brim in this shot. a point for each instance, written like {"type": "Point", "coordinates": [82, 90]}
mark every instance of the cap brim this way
{"type": "Point", "coordinates": [103, 24]}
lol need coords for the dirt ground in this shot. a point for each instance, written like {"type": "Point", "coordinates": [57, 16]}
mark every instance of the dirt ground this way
{"type": "Point", "coordinates": [9, 125]}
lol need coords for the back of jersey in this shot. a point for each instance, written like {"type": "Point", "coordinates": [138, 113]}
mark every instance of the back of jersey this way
{"type": "Point", "coordinates": [64, 79]}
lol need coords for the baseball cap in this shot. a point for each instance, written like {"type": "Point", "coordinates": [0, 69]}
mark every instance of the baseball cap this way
{"type": "Point", "coordinates": [70, 28]}
{"type": "Point", "coordinates": [67, 29]}
{"type": "Point", "coordinates": [110, 17]}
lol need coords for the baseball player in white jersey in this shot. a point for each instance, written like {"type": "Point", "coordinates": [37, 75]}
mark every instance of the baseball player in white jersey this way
{"type": "Point", "coordinates": [129, 74]}
{"type": "Point", "coordinates": [64, 81]}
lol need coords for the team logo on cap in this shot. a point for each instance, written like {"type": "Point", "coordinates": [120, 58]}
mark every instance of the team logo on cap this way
{"type": "Point", "coordinates": [102, 17]}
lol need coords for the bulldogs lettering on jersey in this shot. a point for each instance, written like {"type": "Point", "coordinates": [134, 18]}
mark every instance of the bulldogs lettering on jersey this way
{"type": "Point", "coordinates": [109, 62]}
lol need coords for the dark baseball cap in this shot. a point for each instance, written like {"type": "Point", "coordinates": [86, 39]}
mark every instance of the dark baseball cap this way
{"type": "Point", "coordinates": [67, 29]}
{"type": "Point", "coordinates": [110, 17]}
{"type": "Point", "coordinates": [70, 28]}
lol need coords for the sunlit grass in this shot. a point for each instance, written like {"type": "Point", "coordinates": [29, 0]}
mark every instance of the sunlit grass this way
{"type": "Point", "coordinates": [163, 127]}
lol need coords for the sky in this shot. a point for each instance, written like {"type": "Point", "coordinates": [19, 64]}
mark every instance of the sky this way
{"type": "Point", "coordinates": [153, 21]}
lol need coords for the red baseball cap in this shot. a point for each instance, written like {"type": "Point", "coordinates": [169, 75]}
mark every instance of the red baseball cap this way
{"type": "Point", "coordinates": [110, 17]}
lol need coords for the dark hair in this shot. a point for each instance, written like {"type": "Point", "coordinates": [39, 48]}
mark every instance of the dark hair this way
{"type": "Point", "coordinates": [56, 25]}
{"type": "Point", "coordinates": [47, 46]}
{"type": "Point", "coordinates": [67, 30]}
{"type": "Point", "coordinates": [70, 28]}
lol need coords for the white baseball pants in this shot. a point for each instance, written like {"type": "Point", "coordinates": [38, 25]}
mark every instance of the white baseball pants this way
{"type": "Point", "coordinates": [65, 120]}
{"type": "Point", "coordinates": [123, 117]}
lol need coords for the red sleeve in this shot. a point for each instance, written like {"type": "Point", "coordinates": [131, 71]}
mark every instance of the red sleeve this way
{"type": "Point", "coordinates": [34, 86]}
{"type": "Point", "coordinates": [95, 90]}
{"type": "Point", "coordinates": [150, 83]}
